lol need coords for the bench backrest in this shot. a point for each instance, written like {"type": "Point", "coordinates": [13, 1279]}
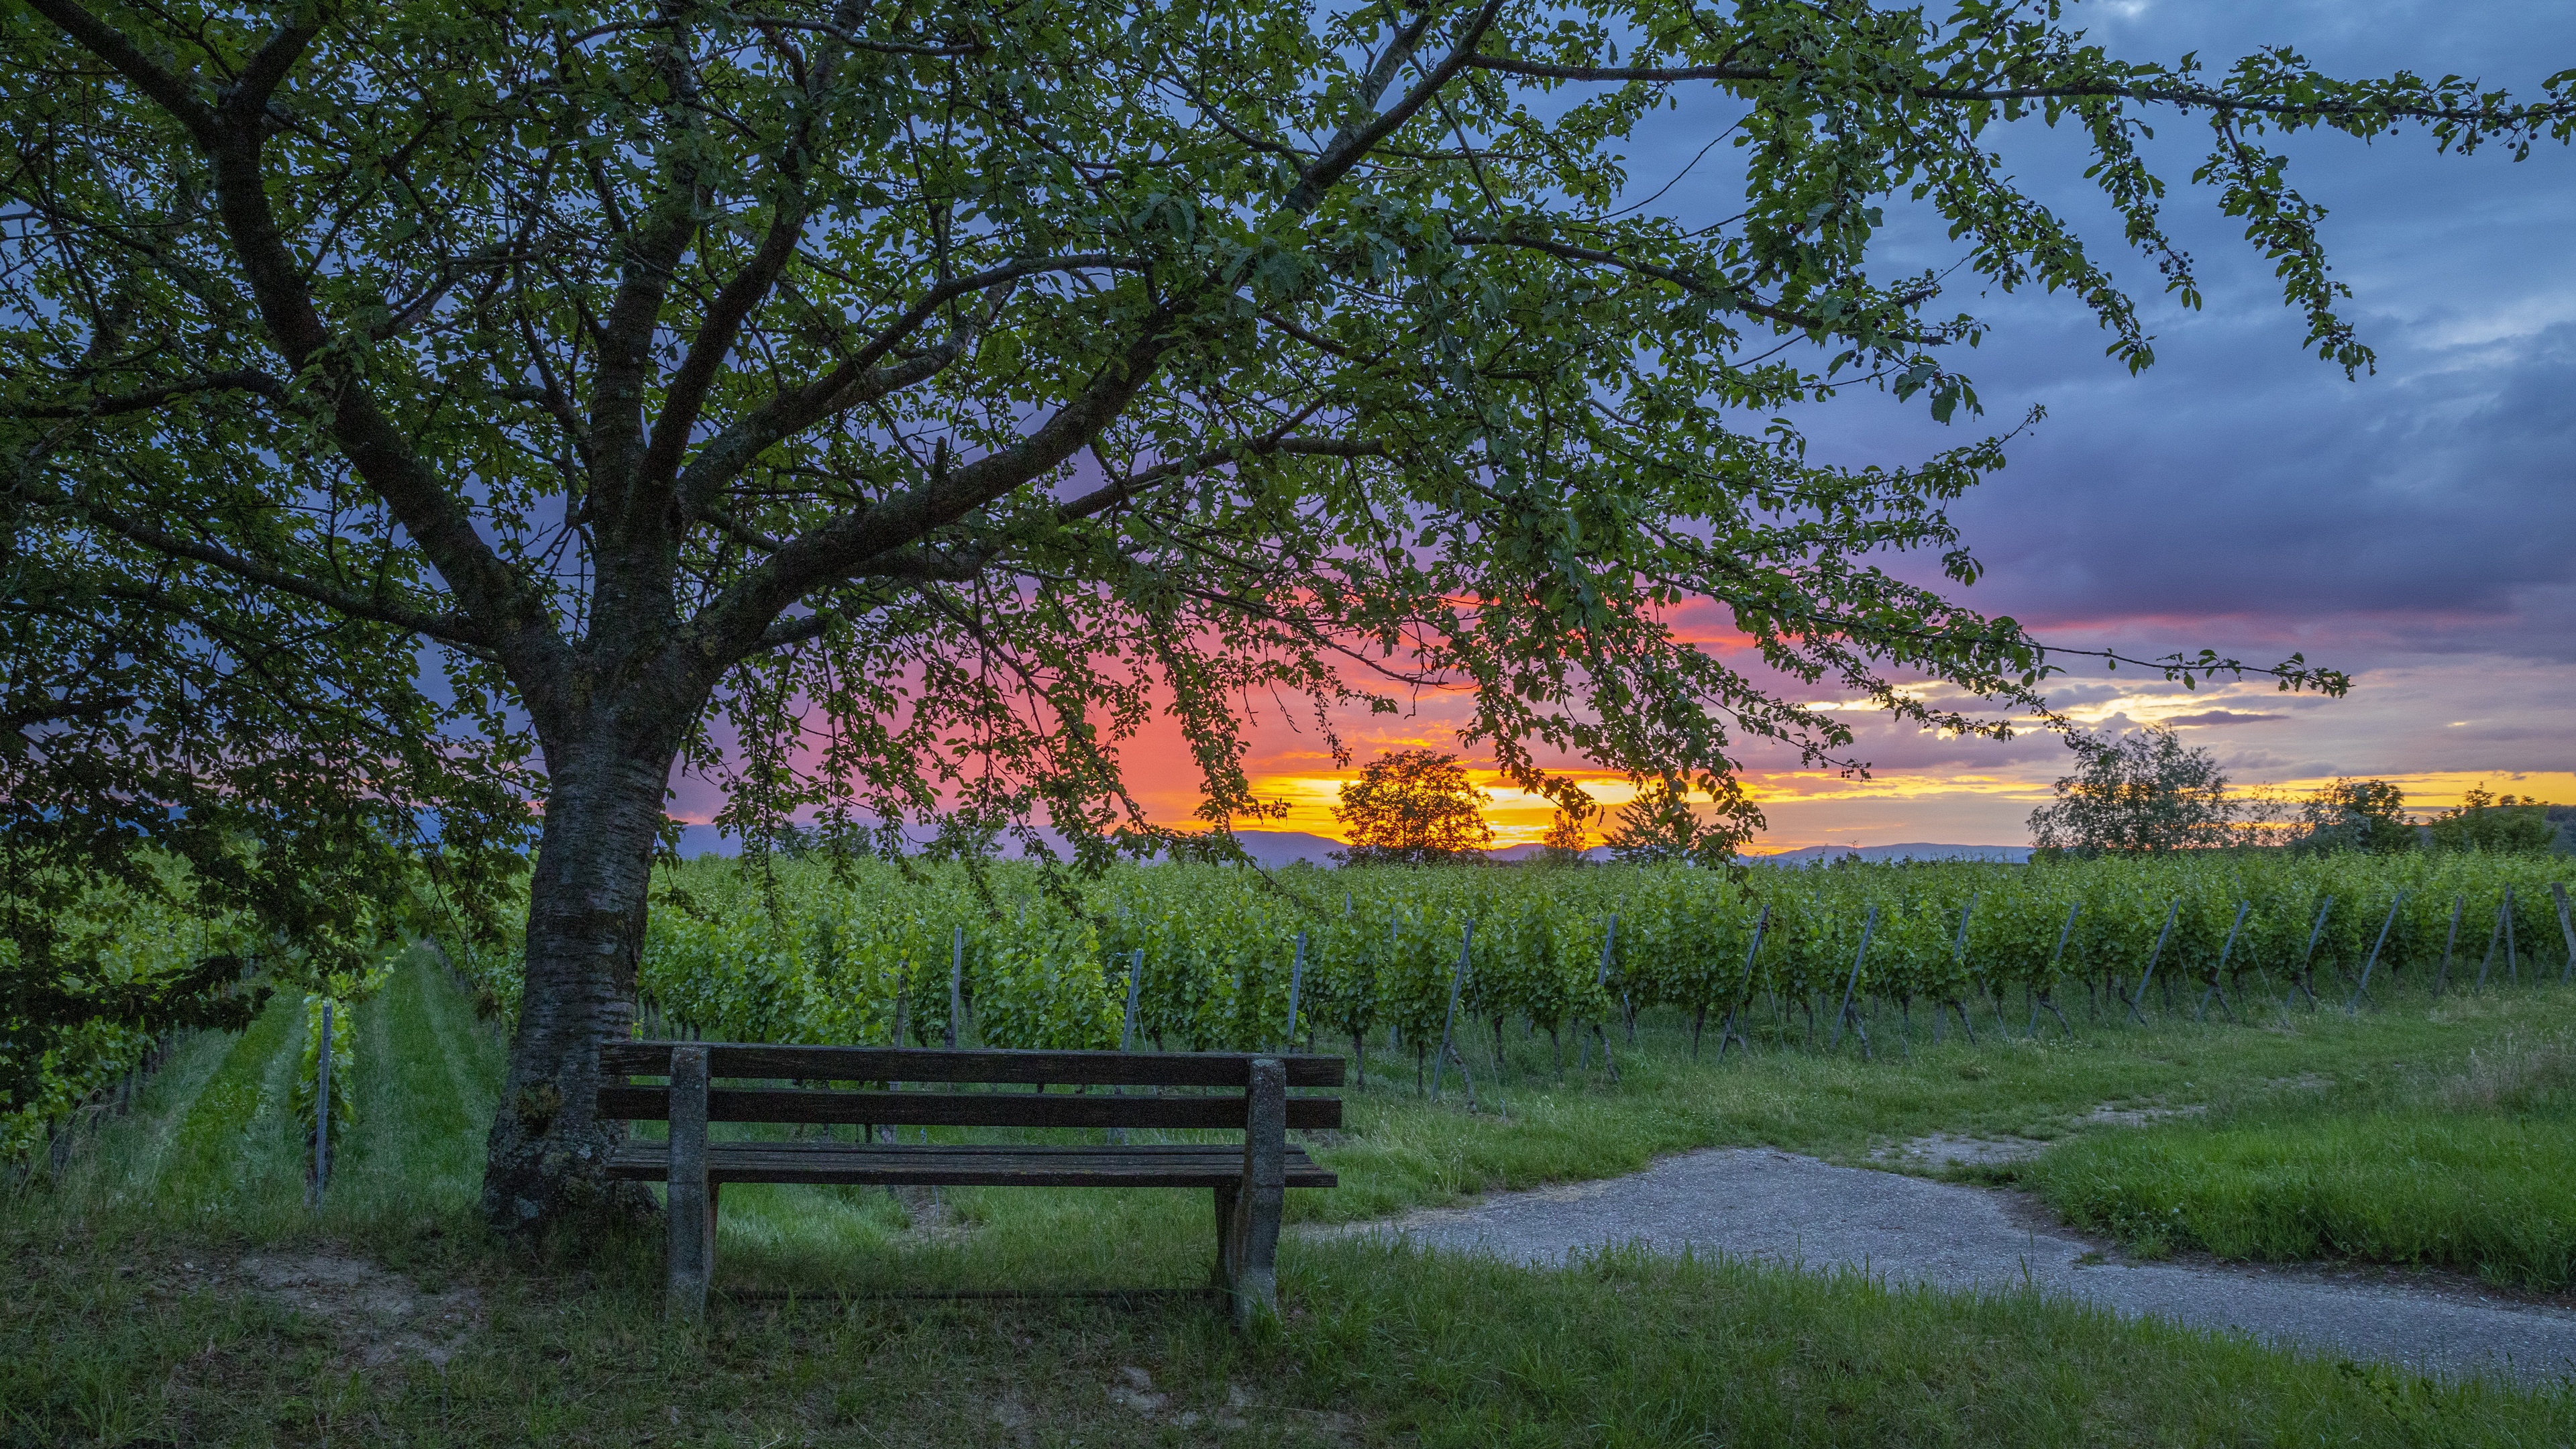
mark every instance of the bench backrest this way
{"type": "Point", "coordinates": [987, 1067]}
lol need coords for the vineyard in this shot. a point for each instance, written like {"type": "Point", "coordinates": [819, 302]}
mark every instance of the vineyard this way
{"type": "Point", "coordinates": [1394, 959]}
{"type": "Point", "coordinates": [1388, 962]}
{"type": "Point", "coordinates": [135, 938]}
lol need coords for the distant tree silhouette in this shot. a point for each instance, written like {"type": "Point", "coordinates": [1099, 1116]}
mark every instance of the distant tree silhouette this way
{"type": "Point", "coordinates": [1568, 836]}
{"type": "Point", "coordinates": [1413, 807]}
{"type": "Point", "coordinates": [1659, 825]}
{"type": "Point", "coordinates": [2135, 794]}
{"type": "Point", "coordinates": [2495, 824]}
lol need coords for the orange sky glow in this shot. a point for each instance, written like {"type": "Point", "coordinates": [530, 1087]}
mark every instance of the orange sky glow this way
{"type": "Point", "coordinates": [2436, 730]}
{"type": "Point", "coordinates": [1896, 803]}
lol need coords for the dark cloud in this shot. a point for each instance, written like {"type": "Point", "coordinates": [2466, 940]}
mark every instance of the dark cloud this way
{"type": "Point", "coordinates": [2219, 717]}
{"type": "Point", "coordinates": [2241, 494]}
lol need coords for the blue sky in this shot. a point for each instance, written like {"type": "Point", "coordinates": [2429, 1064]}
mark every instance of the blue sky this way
{"type": "Point", "coordinates": [2416, 526]}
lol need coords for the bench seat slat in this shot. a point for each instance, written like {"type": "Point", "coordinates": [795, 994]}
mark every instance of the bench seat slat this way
{"type": "Point", "coordinates": [962, 1165]}
{"type": "Point", "coordinates": [936, 1064]}
{"type": "Point", "coordinates": [959, 1109]}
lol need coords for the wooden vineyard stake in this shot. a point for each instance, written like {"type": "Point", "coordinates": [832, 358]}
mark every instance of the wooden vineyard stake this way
{"type": "Point", "coordinates": [1296, 979]}
{"type": "Point", "coordinates": [2558, 889]}
{"type": "Point", "coordinates": [2063, 932]}
{"type": "Point", "coordinates": [1959, 955]}
{"type": "Point", "coordinates": [2219, 975]}
{"type": "Point", "coordinates": [2512, 958]}
{"type": "Point", "coordinates": [1135, 991]}
{"type": "Point", "coordinates": [1965, 1024]}
{"type": "Point", "coordinates": [956, 982]}
{"type": "Point", "coordinates": [1601, 983]}
{"type": "Point", "coordinates": [2362, 990]}
{"type": "Point", "coordinates": [1394, 1031]}
{"type": "Point", "coordinates": [2442, 977]}
{"type": "Point", "coordinates": [2152, 957]}
{"type": "Point", "coordinates": [1729, 1030]}
{"type": "Point", "coordinates": [1866, 929]}
{"type": "Point", "coordinates": [322, 1107]}
{"type": "Point", "coordinates": [1127, 1028]}
{"type": "Point", "coordinates": [1959, 958]}
{"type": "Point", "coordinates": [2493, 936]}
{"type": "Point", "coordinates": [2301, 979]}
{"type": "Point", "coordinates": [1457, 984]}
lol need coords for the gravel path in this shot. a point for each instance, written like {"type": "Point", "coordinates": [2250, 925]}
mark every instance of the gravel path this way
{"type": "Point", "coordinates": [1757, 1203]}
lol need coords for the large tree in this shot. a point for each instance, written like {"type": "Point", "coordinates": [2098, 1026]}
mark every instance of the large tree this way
{"type": "Point", "coordinates": [2364, 815]}
{"type": "Point", "coordinates": [2496, 824]}
{"type": "Point", "coordinates": [2136, 794]}
{"type": "Point", "coordinates": [1413, 807]}
{"type": "Point", "coordinates": [188, 737]}
{"type": "Point", "coordinates": [890, 407]}
{"type": "Point", "coordinates": [1660, 826]}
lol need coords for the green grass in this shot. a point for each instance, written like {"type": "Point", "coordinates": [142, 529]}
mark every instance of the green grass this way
{"type": "Point", "coordinates": [136, 1316]}
{"type": "Point", "coordinates": [1402, 1152]}
{"type": "Point", "coordinates": [116, 1343]}
{"type": "Point", "coordinates": [2471, 1169]}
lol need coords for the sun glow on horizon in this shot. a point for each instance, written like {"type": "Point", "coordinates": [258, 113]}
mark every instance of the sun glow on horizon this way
{"type": "Point", "coordinates": [1521, 817]}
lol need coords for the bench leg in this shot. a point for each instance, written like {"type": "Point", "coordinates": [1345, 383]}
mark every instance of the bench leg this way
{"type": "Point", "coordinates": [691, 1209]}
{"type": "Point", "coordinates": [1253, 1248]}
{"type": "Point", "coordinates": [1226, 1193]}
{"type": "Point", "coordinates": [1252, 1232]}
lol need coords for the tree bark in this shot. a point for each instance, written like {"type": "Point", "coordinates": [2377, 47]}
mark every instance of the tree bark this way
{"type": "Point", "coordinates": [586, 905]}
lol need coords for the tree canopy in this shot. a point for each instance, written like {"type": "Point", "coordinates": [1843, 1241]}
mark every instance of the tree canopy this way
{"type": "Point", "coordinates": [2496, 824]}
{"type": "Point", "coordinates": [1659, 825]}
{"type": "Point", "coordinates": [2136, 793]}
{"type": "Point", "coordinates": [1569, 835]}
{"type": "Point", "coordinates": [1413, 807]}
{"type": "Point", "coordinates": [888, 410]}
{"type": "Point", "coordinates": [2364, 815]}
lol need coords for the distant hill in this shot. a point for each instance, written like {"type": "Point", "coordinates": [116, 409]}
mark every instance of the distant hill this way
{"type": "Point", "coordinates": [1268, 848]}
{"type": "Point", "coordinates": [2012, 854]}
{"type": "Point", "coordinates": [1272, 849]}
{"type": "Point", "coordinates": [1515, 854]}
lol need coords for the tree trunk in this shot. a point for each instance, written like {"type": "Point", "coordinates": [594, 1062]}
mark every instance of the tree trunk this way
{"type": "Point", "coordinates": [586, 902]}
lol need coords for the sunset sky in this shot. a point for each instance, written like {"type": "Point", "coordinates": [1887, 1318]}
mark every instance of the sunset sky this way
{"type": "Point", "coordinates": [2416, 527]}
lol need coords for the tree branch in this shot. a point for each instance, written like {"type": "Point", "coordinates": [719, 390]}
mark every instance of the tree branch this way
{"type": "Point", "coordinates": [732, 307]}
{"type": "Point", "coordinates": [118, 405]}
{"type": "Point", "coordinates": [17, 720]}
{"type": "Point", "coordinates": [854, 41]}
{"type": "Point", "coordinates": [1733, 296]}
{"type": "Point", "coordinates": [2205, 97]}
{"type": "Point", "coordinates": [172, 92]}
{"type": "Point", "coordinates": [246, 99]}
{"type": "Point", "coordinates": [653, 254]}
{"type": "Point", "coordinates": [447, 628]}
{"type": "Point", "coordinates": [858, 379]}
{"type": "Point", "coordinates": [732, 625]}
{"type": "Point", "coordinates": [1351, 144]}
{"type": "Point", "coordinates": [1110, 495]}
{"type": "Point", "coordinates": [492, 594]}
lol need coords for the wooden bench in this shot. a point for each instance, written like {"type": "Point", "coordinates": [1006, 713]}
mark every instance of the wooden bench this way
{"type": "Point", "coordinates": [1249, 1181]}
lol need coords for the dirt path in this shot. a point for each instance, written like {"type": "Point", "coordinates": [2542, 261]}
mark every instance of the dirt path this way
{"type": "Point", "coordinates": [1774, 1205]}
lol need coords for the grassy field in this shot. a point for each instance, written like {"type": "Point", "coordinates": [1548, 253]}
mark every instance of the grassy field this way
{"type": "Point", "coordinates": [2471, 1168]}
{"type": "Point", "coordinates": [175, 1289]}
